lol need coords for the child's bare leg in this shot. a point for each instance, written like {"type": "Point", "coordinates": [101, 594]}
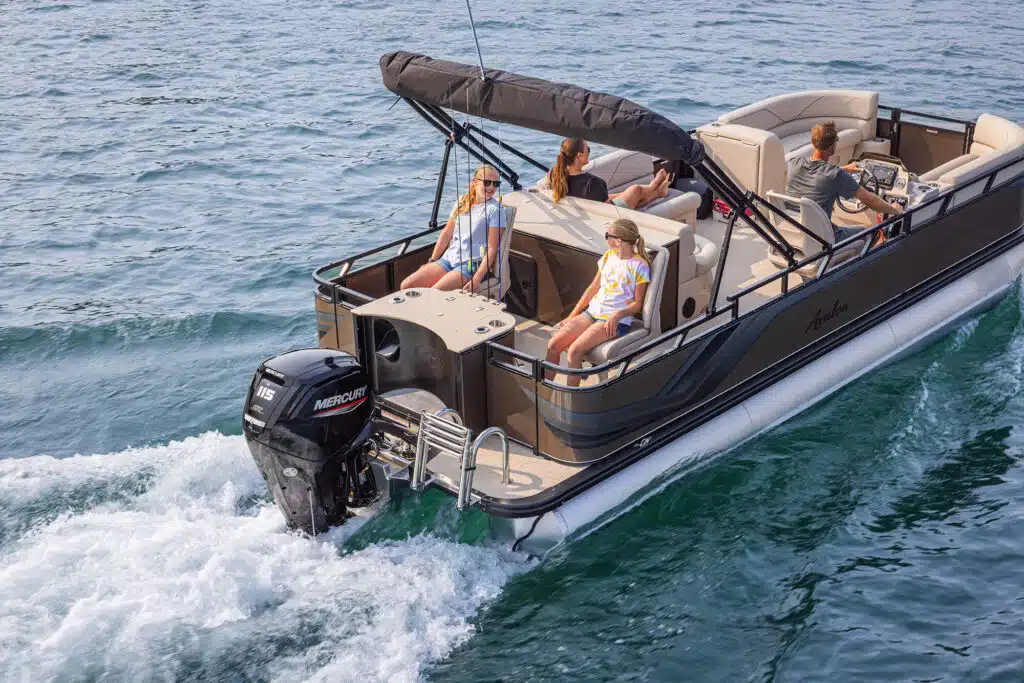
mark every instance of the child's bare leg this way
{"type": "Point", "coordinates": [594, 335]}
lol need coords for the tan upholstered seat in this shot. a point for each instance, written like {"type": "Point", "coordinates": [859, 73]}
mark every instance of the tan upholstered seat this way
{"type": "Point", "coordinates": [812, 217]}
{"type": "Point", "coordinates": [623, 168]}
{"type": "Point", "coordinates": [645, 327]}
{"type": "Point", "coordinates": [996, 141]}
{"type": "Point", "coordinates": [697, 255]}
{"type": "Point", "coordinates": [495, 285]}
{"type": "Point", "coordinates": [790, 117]}
{"type": "Point", "coordinates": [754, 158]}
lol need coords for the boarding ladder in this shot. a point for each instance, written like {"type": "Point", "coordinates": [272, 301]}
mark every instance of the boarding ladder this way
{"type": "Point", "coordinates": [454, 439]}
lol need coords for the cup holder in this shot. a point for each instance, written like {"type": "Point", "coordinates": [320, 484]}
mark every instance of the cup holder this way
{"type": "Point", "coordinates": [483, 329]}
{"type": "Point", "coordinates": [397, 299]}
{"type": "Point", "coordinates": [496, 323]}
{"type": "Point", "coordinates": [412, 294]}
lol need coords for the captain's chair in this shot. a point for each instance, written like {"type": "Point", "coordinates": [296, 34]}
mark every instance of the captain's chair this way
{"type": "Point", "coordinates": [647, 325]}
{"type": "Point", "coordinates": [809, 214]}
{"type": "Point", "coordinates": [496, 284]}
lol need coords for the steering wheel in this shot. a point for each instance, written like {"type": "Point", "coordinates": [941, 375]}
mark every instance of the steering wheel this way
{"type": "Point", "coordinates": [869, 183]}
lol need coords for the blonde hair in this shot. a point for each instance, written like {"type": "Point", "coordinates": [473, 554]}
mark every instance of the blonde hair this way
{"type": "Point", "coordinates": [824, 135]}
{"type": "Point", "coordinates": [559, 175]}
{"type": "Point", "coordinates": [628, 232]}
{"type": "Point", "coordinates": [466, 200]}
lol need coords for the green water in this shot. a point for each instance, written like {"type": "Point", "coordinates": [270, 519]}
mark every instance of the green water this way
{"type": "Point", "coordinates": [171, 175]}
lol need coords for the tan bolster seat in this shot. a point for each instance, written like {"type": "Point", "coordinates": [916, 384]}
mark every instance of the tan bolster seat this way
{"type": "Point", "coordinates": [697, 255]}
{"type": "Point", "coordinates": [645, 327]}
{"type": "Point", "coordinates": [996, 141]}
{"type": "Point", "coordinates": [752, 157]}
{"type": "Point", "coordinates": [790, 117]}
{"type": "Point", "coordinates": [809, 214]}
{"type": "Point", "coordinates": [496, 284]}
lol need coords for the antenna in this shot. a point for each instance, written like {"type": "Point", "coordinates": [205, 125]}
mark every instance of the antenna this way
{"type": "Point", "coordinates": [475, 40]}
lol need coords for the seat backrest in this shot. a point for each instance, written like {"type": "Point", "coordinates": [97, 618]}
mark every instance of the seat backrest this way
{"type": "Point", "coordinates": [993, 133]}
{"type": "Point", "coordinates": [808, 214]}
{"type": "Point", "coordinates": [501, 273]}
{"type": "Point", "coordinates": [621, 167]}
{"type": "Point", "coordinates": [798, 112]}
{"type": "Point", "coordinates": [651, 312]}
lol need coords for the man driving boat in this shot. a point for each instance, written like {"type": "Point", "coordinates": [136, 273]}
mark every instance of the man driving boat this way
{"type": "Point", "coordinates": [822, 182]}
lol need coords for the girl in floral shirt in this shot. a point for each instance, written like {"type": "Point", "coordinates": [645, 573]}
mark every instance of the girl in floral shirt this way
{"type": "Point", "coordinates": [607, 308]}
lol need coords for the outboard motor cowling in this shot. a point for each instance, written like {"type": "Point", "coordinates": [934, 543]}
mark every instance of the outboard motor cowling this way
{"type": "Point", "coordinates": [307, 420]}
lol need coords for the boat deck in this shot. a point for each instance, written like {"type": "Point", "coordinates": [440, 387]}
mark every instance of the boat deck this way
{"type": "Point", "coordinates": [529, 474]}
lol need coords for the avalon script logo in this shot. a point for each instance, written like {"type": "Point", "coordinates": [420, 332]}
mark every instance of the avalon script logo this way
{"type": "Point", "coordinates": [819, 319]}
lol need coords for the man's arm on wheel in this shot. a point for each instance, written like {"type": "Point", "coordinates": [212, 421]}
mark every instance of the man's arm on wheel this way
{"type": "Point", "coordinates": [876, 202]}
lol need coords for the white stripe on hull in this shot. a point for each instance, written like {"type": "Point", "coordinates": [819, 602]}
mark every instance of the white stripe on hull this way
{"type": "Point", "coordinates": [914, 328]}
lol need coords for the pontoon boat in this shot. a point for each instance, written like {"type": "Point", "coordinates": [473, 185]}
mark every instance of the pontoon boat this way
{"type": "Point", "coordinates": [754, 311]}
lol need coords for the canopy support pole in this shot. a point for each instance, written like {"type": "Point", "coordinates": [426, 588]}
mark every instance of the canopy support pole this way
{"type": "Point", "coordinates": [440, 184]}
{"type": "Point", "coordinates": [454, 131]}
{"type": "Point", "coordinates": [472, 25]}
{"type": "Point", "coordinates": [739, 203]}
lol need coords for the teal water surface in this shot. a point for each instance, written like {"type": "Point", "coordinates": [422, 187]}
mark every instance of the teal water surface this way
{"type": "Point", "coordinates": [171, 175]}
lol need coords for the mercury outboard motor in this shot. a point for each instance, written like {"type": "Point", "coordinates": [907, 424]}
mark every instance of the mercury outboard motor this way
{"type": "Point", "coordinates": [307, 420]}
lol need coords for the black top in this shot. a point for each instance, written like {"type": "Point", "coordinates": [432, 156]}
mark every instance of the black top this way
{"type": "Point", "coordinates": [558, 108]}
{"type": "Point", "coordinates": [587, 186]}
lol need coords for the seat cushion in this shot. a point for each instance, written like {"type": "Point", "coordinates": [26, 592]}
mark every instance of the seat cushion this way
{"type": "Point", "coordinates": [945, 168]}
{"type": "Point", "coordinates": [622, 168]}
{"type": "Point", "coordinates": [602, 353]}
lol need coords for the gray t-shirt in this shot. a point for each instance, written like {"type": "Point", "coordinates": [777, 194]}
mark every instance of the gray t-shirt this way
{"type": "Point", "coordinates": [819, 181]}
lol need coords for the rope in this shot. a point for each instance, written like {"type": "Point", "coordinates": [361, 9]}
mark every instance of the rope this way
{"type": "Point", "coordinates": [515, 546]}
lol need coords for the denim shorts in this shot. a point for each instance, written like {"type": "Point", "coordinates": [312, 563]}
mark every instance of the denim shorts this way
{"type": "Point", "coordinates": [622, 329]}
{"type": "Point", "coordinates": [623, 204]}
{"type": "Point", "coordinates": [467, 269]}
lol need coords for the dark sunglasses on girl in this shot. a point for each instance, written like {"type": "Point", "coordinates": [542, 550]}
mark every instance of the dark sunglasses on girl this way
{"type": "Point", "coordinates": [609, 236]}
{"type": "Point", "coordinates": [489, 183]}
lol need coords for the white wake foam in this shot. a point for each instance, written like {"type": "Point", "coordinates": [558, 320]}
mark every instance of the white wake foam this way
{"type": "Point", "coordinates": [180, 570]}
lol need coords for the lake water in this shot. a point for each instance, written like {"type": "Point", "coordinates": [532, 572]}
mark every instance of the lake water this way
{"type": "Point", "coordinates": [170, 175]}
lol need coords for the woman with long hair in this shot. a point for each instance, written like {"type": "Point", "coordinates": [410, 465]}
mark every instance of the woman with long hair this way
{"type": "Point", "coordinates": [468, 244]}
{"type": "Point", "coordinates": [568, 179]}
{"type": "Point", "coordinates": [607, 308]}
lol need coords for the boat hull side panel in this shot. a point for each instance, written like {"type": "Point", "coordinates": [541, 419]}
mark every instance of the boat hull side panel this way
{"type": "Point", "coordinates": [586, 426]}
{"type": "Point", "coordinates": [923, 323]}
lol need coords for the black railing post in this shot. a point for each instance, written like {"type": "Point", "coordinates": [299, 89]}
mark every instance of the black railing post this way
{"type": "Point", "coordinates": [440, 183]}
{"type": "Point", "coordinates": [720, 268]}
{"type": "Point", "coordinates": [894, 132]}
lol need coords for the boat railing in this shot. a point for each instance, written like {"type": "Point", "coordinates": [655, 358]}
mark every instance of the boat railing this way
{"type": "Point", "coordinates": [907, 223]}
{"type": "Point", "coordinates": [386, 256]}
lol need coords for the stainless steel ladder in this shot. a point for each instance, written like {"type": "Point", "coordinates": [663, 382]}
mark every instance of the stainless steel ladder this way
{"type": "Point", "coordinates": [456, 440]}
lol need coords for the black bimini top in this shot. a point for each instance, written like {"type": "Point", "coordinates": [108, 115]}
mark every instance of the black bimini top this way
{"type": "Point", "coordinates": [557, 108]}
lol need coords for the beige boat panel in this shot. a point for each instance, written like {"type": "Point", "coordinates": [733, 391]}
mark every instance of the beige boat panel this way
{"type": "Point", "coordinates": [568, 224]}
{"type": "Point", "coordinates": [530, 474]}
{"type": "Point", "coordinates": [452, 316]}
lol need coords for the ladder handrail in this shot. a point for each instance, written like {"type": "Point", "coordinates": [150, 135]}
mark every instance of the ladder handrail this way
{"type": "Point", "coordinates": [469, 464]}
{"type": "Point", "coordinates": [445, 436]}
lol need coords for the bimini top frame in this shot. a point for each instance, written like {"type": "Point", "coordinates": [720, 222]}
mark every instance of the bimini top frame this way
{"type": "Point", "coordinates": [430, 86]}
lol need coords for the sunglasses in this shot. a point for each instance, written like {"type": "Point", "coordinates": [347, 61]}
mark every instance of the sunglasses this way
{"type": "Point", "coordinates": [609, 236]}
{"type": "Point", "coordinates": [489, 183]}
